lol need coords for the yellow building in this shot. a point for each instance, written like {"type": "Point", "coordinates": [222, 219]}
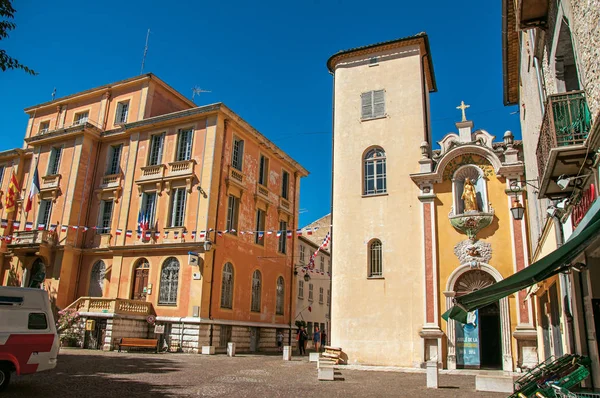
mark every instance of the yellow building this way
{"type": "Point", "coordinates": [406, 239]}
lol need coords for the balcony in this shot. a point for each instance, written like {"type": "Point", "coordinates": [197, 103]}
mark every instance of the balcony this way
{"type": "Point", "coordinates": [284, 205]}
{"type": "Point", "coordinates": [532, 13]}
{"type": "Point", "coordinates": [28, 243]}
{"type": "Point", "coordinates": [262, 192]}
{"type": "Point", "coordinates": [51, 181]}
{"type": "Point", "coordinates": [153, 172]}
{"type": "Point", "coordinates": [561, 150]}
{"type": "Point", "coordinates": [100, 305]}
{"type": "Point", "coordinates": [181, 167]}
{"type": "Point", "coordinates": [47, 135]}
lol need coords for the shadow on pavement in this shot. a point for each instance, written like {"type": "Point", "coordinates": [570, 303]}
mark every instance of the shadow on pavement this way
{"type": "Point", "coordinates": [84, 375]}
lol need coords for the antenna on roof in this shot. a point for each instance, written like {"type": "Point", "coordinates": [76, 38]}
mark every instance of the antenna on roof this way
{"type": "Point", "coordinates": [53, 93]}
{"type": "Point", "coordinates": [197, 90]}
{"type": "Point", "coordinates": [145, 52]}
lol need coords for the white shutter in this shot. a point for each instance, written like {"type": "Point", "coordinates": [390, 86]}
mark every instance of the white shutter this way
{"type": "Point", "coordinates": [366, 100]}
{"type": "Point", "coordinates": [378, 103]}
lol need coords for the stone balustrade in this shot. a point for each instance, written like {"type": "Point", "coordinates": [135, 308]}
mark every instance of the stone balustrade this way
{"type": "Point", "coordinates": [155, 171]}
{"type": "Point", "coordinates": [112, 306]}
{"type": "Point", "coordinates": [50, 181]}
{"type": "Point", "coordinates": [181, 167]}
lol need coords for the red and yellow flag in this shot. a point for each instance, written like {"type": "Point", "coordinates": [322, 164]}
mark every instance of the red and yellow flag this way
{"type": "Point", "coordinates": [11, 194]}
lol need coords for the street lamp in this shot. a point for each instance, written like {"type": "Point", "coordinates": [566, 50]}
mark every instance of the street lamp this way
{"type": "Point", "coordinates": [306, 277]}
{"type": "Point", "coordinates": [207, 245]}
{"type": "Point", "coordinates": [517, 208]}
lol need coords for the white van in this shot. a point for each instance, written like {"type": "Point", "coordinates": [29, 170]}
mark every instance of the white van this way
{"type": "Point", "coordinates": [28, 339]}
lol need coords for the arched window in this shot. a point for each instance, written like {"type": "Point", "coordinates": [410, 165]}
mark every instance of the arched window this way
{"type": "Point", "coordinates": [280, 296]}
{"type": "Point", "coordinates": [374, 172]}
{"type": "Point", "coordinates": [227, 286]}
{"type": "Point", "coordinates": [97, 279]}
{"type": "Point", "coordinates": [169, 278]}
{"type": "Point", "coordinates": [255, 306]}
{"type": "Point", "coordinates": [375, 258]}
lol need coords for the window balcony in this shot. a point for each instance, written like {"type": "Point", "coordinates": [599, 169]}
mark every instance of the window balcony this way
{"type": "Point", "coordinates": [90, 305]}
{"type": "Point", "coordinates": [181, 167]}
{"type": "Point", "coordinates": [50, 181]}
{"type": "Point", "coordinates": [561, 149]}
{"type": "Point", "coordinates": [532, 13]}
{"type": "Point", "coordinates": [153, 172]}
{"type": "Point", "coordinates": [110, 187]}
{"type": "Point", "coordinates": [262, 191]}
{"type": "Point", "coordinates": [24, 242]}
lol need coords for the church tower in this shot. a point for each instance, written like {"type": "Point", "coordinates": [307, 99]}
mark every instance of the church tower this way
{"type": "Point", "coordinates": [381, 120]}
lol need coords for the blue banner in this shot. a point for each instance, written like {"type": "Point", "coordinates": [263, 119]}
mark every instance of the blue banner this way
{"type": "Point", "coordinates": [467, 341]}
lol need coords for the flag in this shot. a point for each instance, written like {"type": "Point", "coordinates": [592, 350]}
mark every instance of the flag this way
{"type": "Point", "coordinates": [139, 234]}
{"type": "Point", "coordinates": [4, 223]}
{"type": "Point", "coordinates": [183, 234]}
{"type": "Point", "coordinates": [202, 234]}
{"type": "Point", "coordinates": [74, 227]}
{"type": "Point", "coordinates": [233, 231]}
{"type": "Point", "coordinates": [11, 194]}
{"type": "Point", "coordinates": [157, 234]}
{"type": "Point", "coordinates": [118, 231]}
{"type": "Point", "coordinates": [28, 226]}
{"type": "Point", "coordinates": [278, 234]}
{"type": "Point", "coordinates": [260, 234]}
{"type": "Point", "coordinates": [166, 235]}
{"type": "Point", "coordinates": [299, 232]}
{"type": "Point", "coordinates": [8, 239]}
{"type": "Point", "coordinates": [41, 227]}
{"type": "Point", "coordinates": [226, 231]}
{"type": "Point", "coordinates": [176, 234]}
{"type": "Point", "coordinates": [220, 233]}
{"type": "Point", "coordinates": [269, 232]}
{"type": "Point", "coordinates": [85, 229]}
{"type": "Point", "coordinates": [242, 232]}
{"type": "Point", "coordinates": [64, 228]}
{"type": "Point", "coordinates": [52, 227]}
{"type": "Point", "coordinates": [193, 234]}
{"type": "Point", "coordinates": [16, 224]}
{"type": "Point", "coordinates": [210, 230]}
{"type": "Point", "coordinates": [289, 234]}
{"type": "Point", "coordinates": [309, 231]}
{"type": "Point", "coordinates": [129, 233]}
{"type": "Point", "coordinates": [33, 190]}
{"type": "Point", "coordinates": [147, 234]}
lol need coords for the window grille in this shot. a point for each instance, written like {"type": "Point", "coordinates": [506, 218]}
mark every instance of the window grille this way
{"type": "Point", "coordinates": [375, 172]}
{"type": "Point", "coordinates": [238, 154]}
{"type": "Point", "coordinates": [169, 278]}
{"type": "Point", "coordinates": [44, 127]}
{"type": "Point", "coordinates": [81, 118]}
{"type": "Point", "coordinates": [178, 207]}
{"type": "Point", "coordinates": [375, 258]}
{"type": "Point", "coordinates": [227, 286]}
{"type": "Point", "coordinates": [156, 147]}
{"type": "Point", "coordinates": [256, 285]}
{"type": "Point", "coordinates": [184, 144]}
{"type": "Point", "coordinates": [224, 335]}
{"type": "Point", "coordinates": [280, 296]}
{"type": "Point", "coordinates": [114, 159]}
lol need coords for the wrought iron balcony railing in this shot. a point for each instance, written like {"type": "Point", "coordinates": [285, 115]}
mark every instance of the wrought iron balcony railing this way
{"type": "Point", "coordinates": [567, 122]}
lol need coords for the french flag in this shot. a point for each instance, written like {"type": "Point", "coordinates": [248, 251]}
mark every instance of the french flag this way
{"type": "Point", "coordinates": [157, 234]}
{"type": "Point", "coordinates": [202, 234]}
{"type": "Point", "coordinates": [33, 190]}
{"type": "Point", "coordinates": [147, 234]}
{"type": "Point", "coordinates": [278, 234]}
{"type": "Point", "coordinates": [193, 234]}
{"type": "Point", "coordinates": [4, 223]}
{"type": "Point", "coordinates": [28, 226]}
{"type": "Point", "coordinates": [299, 232]}
{"type": "Point", "coordinates": [309, 231]}
{"type": "Point", "coordinates": [16, 224]}
{"type": "Point", "coordinates": [260, 234]}
{"type": "Point", "coordinates": [64, 228]}
{"type": "Point", "coordinates": [129, 233]}
{"type": "Point", "coordinates": [41, 227]}
{"type": "Point", "coordinates": [166, 235]}
{"type": "Point", "coordinates": [52, 227]}
{"type": "Point", "coordinates": [118, 232]}
{"type": "Point", "coordinates": [289, 234]}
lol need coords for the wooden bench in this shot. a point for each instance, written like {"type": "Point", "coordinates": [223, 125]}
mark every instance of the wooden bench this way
{"type": "Point", "coordinates": [140, 343]}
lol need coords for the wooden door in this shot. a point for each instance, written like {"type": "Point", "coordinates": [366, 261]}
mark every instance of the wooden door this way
{"type": "Point", "coordinates": [140, 283]}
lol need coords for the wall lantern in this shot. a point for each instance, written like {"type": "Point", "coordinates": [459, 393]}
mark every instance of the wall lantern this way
{"type": "Point", "coordinates": [517, 208]}
{"type": "Point", "coordinates": [207, 245]}
{"type": "Point", "coordinates": [306, 277]}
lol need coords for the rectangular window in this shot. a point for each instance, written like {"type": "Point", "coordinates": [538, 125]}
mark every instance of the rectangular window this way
{"type": "Point", "coordinates": [372, 104]}
{"type": "Point", "coordinates": [81, 118]}
{"type": "Point", "coordinates": [178, 207]}
{"type": "Point", "coordinates": [263, 171]}
{"type": "Point", "coordinates": [2, 168]}
{"type": "Point", "coordinates": [260, 226]}
{"type": "Point", "coordinates": [122, 112]}
{"type": "Point", "coordinates": [44, 127]}
{"type": "Point", "coordinates": [106, 209]}
{"type": "Point", "coordinates": [310, 292]}
{"type": "Point", "coordinates": [300, 289]}
{"type": "Point", "coordinates": [37, 321]}
{"type": "Point", "coordinates": [54, 163]}
{"type": "Point", "coordinates": [282, 237]}
{"type": "Point", "coordinates": [238, 154]}
{"type": "Point", "coordinates": [322, 266]}
{"type": "Point", "coordinates": [184, 144]}
{"type": "Point", "coordinates": [114, 159]}
{"type": "Point", "coordinates": [156, 147]}
{"type": "Point", "coordinates": [285, 184]}
{"type": "Point", "coordinates": [302, 254]}
{"type": "Point", "coordinates": [44, 214]}
{"type": "Point", "coordinates": [328, 297]}
{"type": "Point", "coordinates": [321, 295]}
{"type": "Point", "coordinates": [233, 208]}
{"type": "Point", "coordinates": [149, 207]}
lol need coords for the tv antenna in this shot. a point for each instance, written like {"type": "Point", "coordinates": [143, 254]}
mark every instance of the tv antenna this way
{"type": "Point", "coordinates": [197, 91]}
{"type": "Point", "coordinates": [145, 52]}
{"type": "Point", "coordinates": [53, 93]}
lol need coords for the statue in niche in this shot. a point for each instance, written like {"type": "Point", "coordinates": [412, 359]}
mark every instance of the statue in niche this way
{"type": "Point", "coordinates": [469, 196]}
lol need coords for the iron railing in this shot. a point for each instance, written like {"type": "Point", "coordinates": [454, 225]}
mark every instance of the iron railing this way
{"type": "Point", "coordinates": [567, 122]}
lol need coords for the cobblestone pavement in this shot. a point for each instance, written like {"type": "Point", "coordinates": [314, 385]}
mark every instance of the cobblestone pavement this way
{"type": "Point", "coordinates": [85, 373]}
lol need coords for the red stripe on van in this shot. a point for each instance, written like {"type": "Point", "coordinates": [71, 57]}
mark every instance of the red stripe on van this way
{"type": "Point", "coordinates": [21, 346]}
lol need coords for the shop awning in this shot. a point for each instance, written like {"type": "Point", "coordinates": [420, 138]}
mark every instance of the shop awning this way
{"type": "Point", "coordinates": [544, 268]}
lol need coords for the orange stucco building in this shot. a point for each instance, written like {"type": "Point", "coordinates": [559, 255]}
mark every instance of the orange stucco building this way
{"type": "Point", "coordinates": [133, 177]}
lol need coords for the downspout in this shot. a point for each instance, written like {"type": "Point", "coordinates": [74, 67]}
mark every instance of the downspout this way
{"type": "Point", "coordinates": [212, 271]}
{"type": "Point", "coordinates": [565, 288]}
{"type": "Point", "coordinates": [293, 268]}
{"type": "Point", "coordinates": [424, 99]}
{"type": "Point", "coordinates": [331, 208]}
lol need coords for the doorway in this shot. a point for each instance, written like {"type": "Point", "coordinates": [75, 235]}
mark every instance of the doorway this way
{"type": "Point", "coordinates": [490, 337]}
{"type": "Point", "coordinates": [38, 274]}
{"type": "Point", "coordinates": [94, 339]}
{"type": "Point", "coordinates": [140, 280]}
{"type": "Point", "coordinates": [254, 338]}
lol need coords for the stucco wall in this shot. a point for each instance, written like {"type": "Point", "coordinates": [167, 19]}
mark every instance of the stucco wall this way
{"type": "Point", "coordinates": [377, 321]}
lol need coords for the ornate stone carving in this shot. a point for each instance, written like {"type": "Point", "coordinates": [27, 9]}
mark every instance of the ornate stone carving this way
{"type": "Point", "coordinates": [469, 252]}
{"type": "Point", "coordinates": [470, 223]}
{"type": "Point", "coordinates": [456, 163]}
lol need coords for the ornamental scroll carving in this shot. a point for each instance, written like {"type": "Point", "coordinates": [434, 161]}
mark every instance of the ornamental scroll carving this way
{"type": "Point", "coordinates": [468, 251]}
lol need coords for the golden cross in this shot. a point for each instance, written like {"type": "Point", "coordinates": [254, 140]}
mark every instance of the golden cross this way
{"type": "Point", "coordinates": [462, 107]}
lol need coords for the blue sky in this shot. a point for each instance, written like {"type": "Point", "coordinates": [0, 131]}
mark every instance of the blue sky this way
{"type": "Point", "coordinates": [265, 60]}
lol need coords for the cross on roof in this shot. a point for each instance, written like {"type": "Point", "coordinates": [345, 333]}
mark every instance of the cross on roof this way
{"type": "Point", "coordinates": [463, 107]}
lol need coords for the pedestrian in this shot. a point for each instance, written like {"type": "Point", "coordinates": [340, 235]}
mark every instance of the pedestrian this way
{"type": "Point", "coordinates": [302, 337]}
{"type": "Point", "coordinates": [323, 339]}
{"type": "Point", "coordinates": [316, 338]}
{"type": "Point", "coordinates": [280, 341]}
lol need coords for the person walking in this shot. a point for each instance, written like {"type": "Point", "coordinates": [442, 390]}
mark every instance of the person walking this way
{"type": "Point", "coordinates": [302, 337]}
{"type": "Point", "coordinates": [316, 338]}
{"type": "Point", "coordinates": [323, 339]}
{"type": "Point", "coordinates": [280, 341]}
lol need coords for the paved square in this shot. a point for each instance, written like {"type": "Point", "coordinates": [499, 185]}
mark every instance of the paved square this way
{"type": "Point", "coordinates": [86, 373]}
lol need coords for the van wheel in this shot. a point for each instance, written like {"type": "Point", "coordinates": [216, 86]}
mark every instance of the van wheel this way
{"type": "Point", "coordinates": [4, 376]}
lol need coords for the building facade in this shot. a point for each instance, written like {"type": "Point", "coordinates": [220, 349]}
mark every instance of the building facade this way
{"type": "Point", "coordinates": [550, 59]}
{"type": "Point", "coordinates": [133, 178]}
{"type": "Point", "coordinates": [313, 284]}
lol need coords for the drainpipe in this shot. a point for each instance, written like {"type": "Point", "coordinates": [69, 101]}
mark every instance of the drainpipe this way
{"type": "Point", "coordinates": [424, 99]}
{"type": "Point", "coordinates": [331, 208]}
{"type": "Point", "coordinates": [293, 249]}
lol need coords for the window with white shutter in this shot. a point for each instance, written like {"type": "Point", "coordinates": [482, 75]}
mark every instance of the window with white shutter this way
{"type": "Point", "coordinates": [184, 144]}
{"type": "Point", "coordinates": [372, 104]}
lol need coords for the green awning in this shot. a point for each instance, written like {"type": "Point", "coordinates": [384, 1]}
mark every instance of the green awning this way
{"type": "Point", "coordinates": [544, 268]}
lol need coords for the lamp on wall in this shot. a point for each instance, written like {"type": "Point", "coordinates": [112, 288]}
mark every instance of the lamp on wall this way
{"type": "Point", "coordinates": [207, 245]}
{"type": "Point", "coordinates": [517, 209]}
{"type": "Point", "coordinates": [306, 277]}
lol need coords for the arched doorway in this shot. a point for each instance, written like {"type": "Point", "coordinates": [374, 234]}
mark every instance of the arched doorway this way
{"type": "Point", "coordinates": [97, 277]}
{"type": "Point", "coordinates": [140, 279]}
{"type": "Point", "coordinates": [484, 342]}
{"type": "Point", "coordinates": [38, 274]}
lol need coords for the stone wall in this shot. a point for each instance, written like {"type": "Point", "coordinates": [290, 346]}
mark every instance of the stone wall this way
{"type": "Point", "coordinates": [117, 328]}
{"type": "Point", "coordinates": [189, 337]}
{"type": "Point", "coordinates": [240, 335]}
{"type": "Point", "coordinates": [268, 340]}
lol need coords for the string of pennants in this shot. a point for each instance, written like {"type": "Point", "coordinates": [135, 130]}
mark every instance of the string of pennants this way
{"type": "Point", "coordinates": [29, 226]}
